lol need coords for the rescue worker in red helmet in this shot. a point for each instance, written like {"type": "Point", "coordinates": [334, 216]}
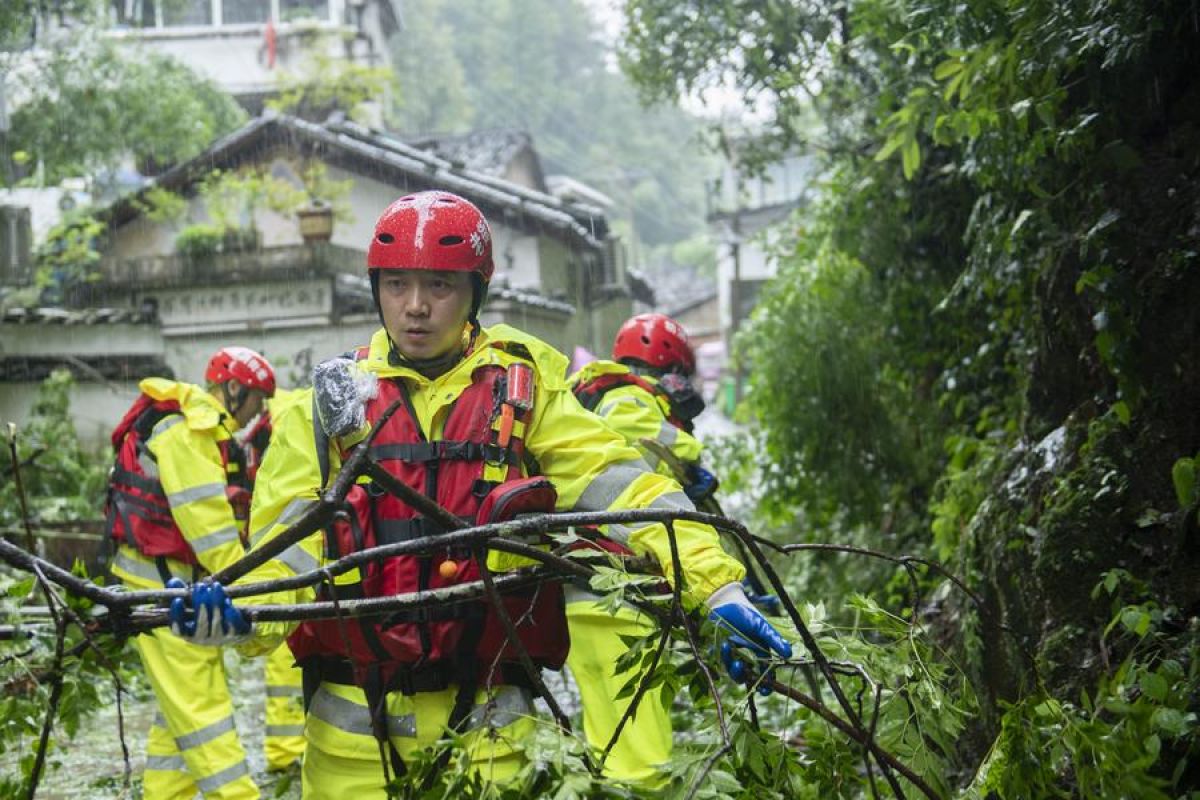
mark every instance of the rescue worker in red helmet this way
{"type": "Point", "coordinates": [643, 393]}
{"type": "Point", "coordinates": [170, 518]}
{"type": "Point", "coordinates": [484, 423]}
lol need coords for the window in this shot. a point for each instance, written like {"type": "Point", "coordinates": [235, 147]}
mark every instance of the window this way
{"type": "Point", "coordinates": [238, 12]}
{"type": "Point", "coordinates": [186, 12]}
{"type": "Point", "coordinates": [290, 10]}
{"type": "Point", "coordinates": [133, 13]}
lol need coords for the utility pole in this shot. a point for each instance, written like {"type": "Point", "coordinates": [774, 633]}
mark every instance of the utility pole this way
{"type": "Point", "coordinates": [735, 294]}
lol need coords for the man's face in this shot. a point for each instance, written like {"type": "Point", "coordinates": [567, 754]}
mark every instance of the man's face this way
{"type": "Point", "coordinates": [250, 407]}
{"type": "Point", "coordinates": [424, 311]}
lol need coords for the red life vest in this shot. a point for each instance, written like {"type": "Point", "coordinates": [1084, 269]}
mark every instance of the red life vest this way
{"type": "Point", "coordinates": [427, 649]}
{"type": "Point", "coordinates": [590, 393]}
{"type": "Point", "coordinates": [136, 510]}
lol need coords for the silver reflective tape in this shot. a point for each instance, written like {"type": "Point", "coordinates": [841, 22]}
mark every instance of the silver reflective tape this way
{"type": "Point", "coordinates": [350, 717]}
{"type": "Point", "coordinates": [205, 734]}
{"type": "Point", "coordinates": [166, 763]}
{"type": "Point", "coordinates": [576, 594]}
{"type": "Point", "coordinates": [668, 433]}
{"type": "Point", "coordinates": [201, 492]}
{"type": "Point", "coordinates": [148, 465]}
{"type": "Point", "coordinates": [672, 501]}
{"type": "Point", "coordinates": [229, 775]}
{"type": "Point", "coordinates": [160, 720]}
{"type": "Point", "coordinates": [164, 425]}
{"type": "Point", "coordinates": [291, 512]}
{"type": "Point", "coordinates": [285, 730]}
{"type": "Point", "coordinates": [505, 707]}
{"type": "Point", "coordinates": [604, 490]}
{"type": "Point", "coordinates": [285, 691]}
{"type": "Point", "coordinates": [619, 533]}
{"type": "Point", "coordinates": [299, 559]}
{"type": "Point", "coordinates": [217, 538]}
{"type": "Point", "coordinates": [146, 569]}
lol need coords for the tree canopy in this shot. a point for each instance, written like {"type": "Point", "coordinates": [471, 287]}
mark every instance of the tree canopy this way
{"type": "Point", "coordinates": [537, 65]}
{"type": "Point", "coordinates": [86, 104]}
{"type": "Point", "coordinates": [982, 322]}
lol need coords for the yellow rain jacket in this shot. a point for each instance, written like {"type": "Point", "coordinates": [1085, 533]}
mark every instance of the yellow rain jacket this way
{"type": "Point", "coordinates": [193, 744]}
{"type": "Point", "coordinates": [591, 466]}
{"type": "Point", "coordinates": [188, 459]}
{"type": "Point", "coordinates": [637, 414]}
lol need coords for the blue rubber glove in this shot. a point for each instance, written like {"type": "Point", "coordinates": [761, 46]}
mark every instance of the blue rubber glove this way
{"type": "Point", "coordinates": [701, 485]}
{"type": "Point", "coordinates": [210, 619]}
{"type": "Point", "coordinates": [766, 603]}
{"type": "Point", "coordinates": [749, 632]}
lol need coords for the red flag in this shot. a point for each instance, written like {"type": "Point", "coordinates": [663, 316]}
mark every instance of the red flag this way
{"type": "Point", "coordinates": [269, 43]}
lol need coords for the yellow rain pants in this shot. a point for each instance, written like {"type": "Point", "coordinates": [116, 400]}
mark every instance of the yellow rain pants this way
{"type": "Point", "coordinates": [645, 743]}
{"type": "Point", "coordinates": [284, 740]}
{"type": "Point", "coordinates": [193, 745]}
{"type": "Point", "coordinates": [343, 758]}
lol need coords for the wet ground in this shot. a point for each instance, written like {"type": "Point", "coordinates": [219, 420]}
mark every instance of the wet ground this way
{"type": "Point", "coordinates": [92, 764]}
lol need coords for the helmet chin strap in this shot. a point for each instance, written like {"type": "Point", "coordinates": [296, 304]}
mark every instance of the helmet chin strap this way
{"type": "Point", "coordinates": [234, 403]}
{"type": "Point", "coordinates": [438, 365]}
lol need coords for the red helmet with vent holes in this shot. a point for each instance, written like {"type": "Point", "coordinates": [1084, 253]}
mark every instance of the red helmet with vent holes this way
{"type": "Point", "coordinates": [657, 341]}
{"type": "Point", "coordinates": [243, 365]}
{"type": "Point", "coordinates": [432, 230]}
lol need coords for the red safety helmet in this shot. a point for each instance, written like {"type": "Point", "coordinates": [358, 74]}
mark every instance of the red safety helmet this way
{"type": "Point", "coordinates": [657, 341]}
{"type": "Point", "coordinates": [432, 230]}
{"type": "Point", "coordinates": [244, 366]}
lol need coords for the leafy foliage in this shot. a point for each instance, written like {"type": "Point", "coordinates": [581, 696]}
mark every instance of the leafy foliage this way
{"type": "Point", "coordinates": [62, 482]}
{"type": "Point", "coordinates": [80, 107]}
{"type": "Point", "coordinates": [70, 254]}
{"type": "Point", "coordinates": [458, 68]}
{"type": "Point", "coordinates": [1000, 253]}
{"type": "Point", "coordinates": [328, 85]}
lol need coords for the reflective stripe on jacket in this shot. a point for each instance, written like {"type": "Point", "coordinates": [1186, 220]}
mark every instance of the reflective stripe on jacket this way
{"type": "Point", "coordinates": [636, 413]}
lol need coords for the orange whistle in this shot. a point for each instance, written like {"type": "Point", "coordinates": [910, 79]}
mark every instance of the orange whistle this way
{"type": "Point", "coordinates": [506, 425]}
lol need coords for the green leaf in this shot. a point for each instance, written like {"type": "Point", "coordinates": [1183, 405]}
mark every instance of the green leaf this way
{"type": "Point", "coordinates": [950, 66]}
{"type": "Point", "coordinates": [1154, 686]}
{"type": "Point", "coordinates": [1183, 476]}
{"type": "Point", "coordinates": [889, 147]}
{"type": "Point", "coordinates": [911, 157]}
{"type": "Point", "coordinates": [1171, 721]}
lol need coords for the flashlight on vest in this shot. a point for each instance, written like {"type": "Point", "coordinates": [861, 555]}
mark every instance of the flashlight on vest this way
{"type": "Point", "coordinates": [518, 397]}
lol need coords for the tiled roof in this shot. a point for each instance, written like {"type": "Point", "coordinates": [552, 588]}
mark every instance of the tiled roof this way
{"type": "Point", "coordinates": [86, 316]}
{"type": "Point", "coordinates": [490, 151]}
{"type": "Point", "coordinates": [386, 158]}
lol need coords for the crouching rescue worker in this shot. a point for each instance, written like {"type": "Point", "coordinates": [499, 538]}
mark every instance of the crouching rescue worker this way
{"type": "Point", "coordinates": [283, 740]}
{"type": "Point", "coordinates": [485, 425]}
{"type": "Point", "coordinates": [170, 511]}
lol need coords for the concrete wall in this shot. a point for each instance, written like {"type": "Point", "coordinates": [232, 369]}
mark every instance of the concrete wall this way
{"type": "Point", "coordinates": [95, 407]}
{"type": "Point", "coordinates": [293, 352]}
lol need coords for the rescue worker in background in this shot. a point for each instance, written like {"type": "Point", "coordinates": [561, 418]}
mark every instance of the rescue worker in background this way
{"type": "Point", "coordinates": [484, 424]}
{"type": "Point", "coordinates": [170, 516]}
{"type": "Point", "coordinates": [283, 741]}
{"type": "Point", "coordinates": [644, 393]}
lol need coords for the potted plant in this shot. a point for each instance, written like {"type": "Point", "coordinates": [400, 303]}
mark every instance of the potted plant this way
{"type": "Point", "coordinates": [316, 221]}
{"type": "Point", "coordinates": [326, 203]}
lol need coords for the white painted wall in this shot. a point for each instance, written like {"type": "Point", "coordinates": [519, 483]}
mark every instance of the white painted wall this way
{"type": "Point", "coordinates": [95, 407]}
